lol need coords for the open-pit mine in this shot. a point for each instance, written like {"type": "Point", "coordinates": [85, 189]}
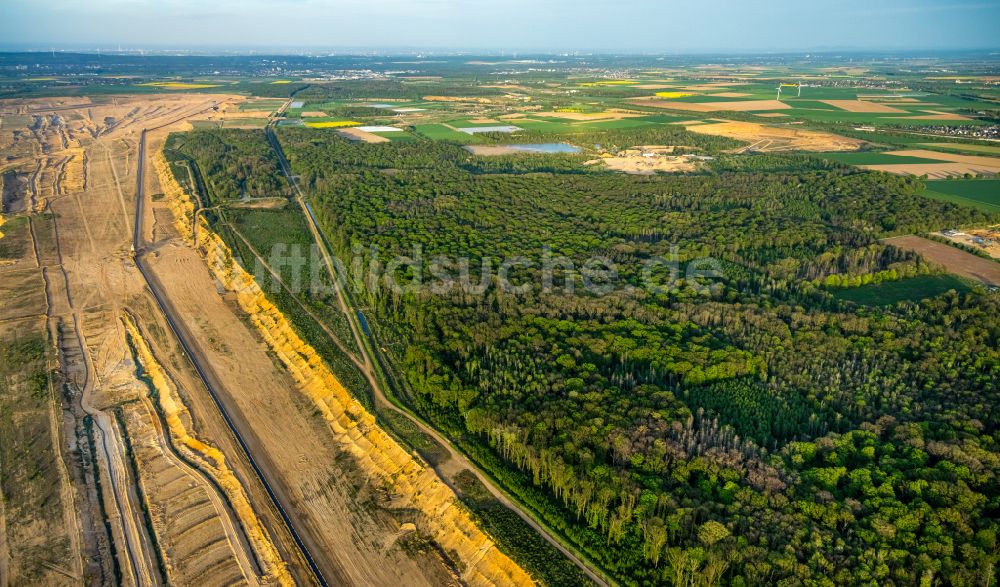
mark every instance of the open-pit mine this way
{"type": "Point", "coordinates": [177, 430]}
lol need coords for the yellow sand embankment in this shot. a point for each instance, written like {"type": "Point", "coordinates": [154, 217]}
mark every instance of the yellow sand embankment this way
{"type": "Point", "coordinates": [209, 459]}
{"type": "Point", "coordinates": [74, 178]}
{"type": "Point", "coordinates": [180, 203]}
{"type": "Point", "coordinates": [354, 430]}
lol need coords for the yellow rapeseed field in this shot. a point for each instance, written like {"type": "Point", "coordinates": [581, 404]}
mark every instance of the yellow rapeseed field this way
{"type": "Point", "coordinates": [332, 124]}
{"type": "Point", "coordinates": [671, 95]}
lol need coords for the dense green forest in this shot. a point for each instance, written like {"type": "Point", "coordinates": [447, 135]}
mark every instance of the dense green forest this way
{"type": "Point", "coordinates": [622, 138]}
{"type": "Point", "coordinates": [748, 429]}
{"type": "Point", "coordinates": [392, 89]}
{"type": "Point", "coordinates": [232, 164]}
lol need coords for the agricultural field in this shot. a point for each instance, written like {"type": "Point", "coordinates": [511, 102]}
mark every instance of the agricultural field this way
{"type": "Point", "coordinates": [261, 105]}
{"type": "Point", "coordinates": [954, 260]}
{"type": "Point", "coordinates": [944, 164]}
{"type": "Point", "coordinates": [818, 104]}
{"type": "Point", "coordinates": [966, 148]}
{"type": "Point", "coordinates": [244, 123]}
{"type": "Point", "coordinates": [440, 132]}
{"type": "Point", "coordinates": [716, 106]}
{"type": "Point", "coordinates": [981, 193]}
{"type": "Point", "coordinates": [876, 158]}
{"type": "Point", "coordinates": [331, 123]}
{"type": "Point", "coordinates": [934, 164]}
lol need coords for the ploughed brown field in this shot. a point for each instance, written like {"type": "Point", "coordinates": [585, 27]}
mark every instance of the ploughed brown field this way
{"type": "Point", "coordinates": [954, 260]}
{"type": "Point", "coordinates": [952, 165]}
{"type": "Point", "coordinates": [732, 106]}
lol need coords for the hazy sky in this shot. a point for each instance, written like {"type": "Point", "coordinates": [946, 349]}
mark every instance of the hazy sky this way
{"type": "Point", "coordinates": [615, 25]}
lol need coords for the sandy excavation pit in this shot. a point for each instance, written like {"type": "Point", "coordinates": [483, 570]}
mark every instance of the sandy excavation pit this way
{"type": "Point", "coordinates": [77, 282]}
{"type": "Point", "coordinates": [767, 138]}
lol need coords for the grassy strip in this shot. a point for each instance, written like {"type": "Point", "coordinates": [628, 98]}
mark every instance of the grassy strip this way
{"type": "Point", "coordinates": [542, 506]}
{"type": "Point", "coordinates": [961, 201]}
{"type": "Point", "coordinates": [912, 290]}
{"type": "Point", "coordinates": [545, 563]}
{"type": "Point", "coordinates": [978, 193]}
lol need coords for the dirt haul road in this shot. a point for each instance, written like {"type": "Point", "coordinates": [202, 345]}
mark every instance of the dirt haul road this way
{"type": "Point", "coordinates": [83, 257]}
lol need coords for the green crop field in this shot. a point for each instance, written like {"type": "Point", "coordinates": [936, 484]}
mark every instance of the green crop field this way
{"type": "Point", "coordinates": [562, 126]}
{"type": "Point", "coordinates": [552, 125]}
{"type": "Point", "coordinates": [874, 158]}
{"type": "Point", "coordinates": [440, 132]}
{"type": "Point", "coordinates": [206, 124]}
{"type": "Point", "coordinates": [985, 149]}
{"type": "Point", "coordinates": [911, 289]}
{"type": "Point", "coordinates": [322, 119]}
{"type": "Point", "coordinates": [261, 105]}
{"type": "Point", "coordinates": [700, 98]}
{"type": "Point", "coordinates": [887, 137]}
{"type": "Point", "coordinates": [614, 124]}
{"type": "Point", "coordinates": [536, 117]}
{"type": "Point", "coordinates": [665, 118]}
{"type": "Point", "coordinates": [876, 118]}
{"type": "Point", "coordinates": [244, 123]}
{"type": "Point", "coordinates": [397, 137]}
{"type": "Point", "coordinates": [980, 193]}
{"type": "Point", "coordinates": [467, 123]}
{"type": "Point", "coordinates": [944, 102]}
{"type": "Point", "coordinates": [803, 104]}
{"type": "Point", "coordinates": [837, 93]}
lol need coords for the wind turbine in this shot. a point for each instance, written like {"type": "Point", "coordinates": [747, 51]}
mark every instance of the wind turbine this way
{"type": "Point", "coordinates": [784, 85]}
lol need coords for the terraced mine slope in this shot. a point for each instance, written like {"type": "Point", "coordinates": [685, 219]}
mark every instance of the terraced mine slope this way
{"type": "Point", "coordinates": [108, 489]}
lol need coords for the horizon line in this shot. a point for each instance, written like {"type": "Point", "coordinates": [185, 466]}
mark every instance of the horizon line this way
{"type": "Point", "coordinates": [390, 50]}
